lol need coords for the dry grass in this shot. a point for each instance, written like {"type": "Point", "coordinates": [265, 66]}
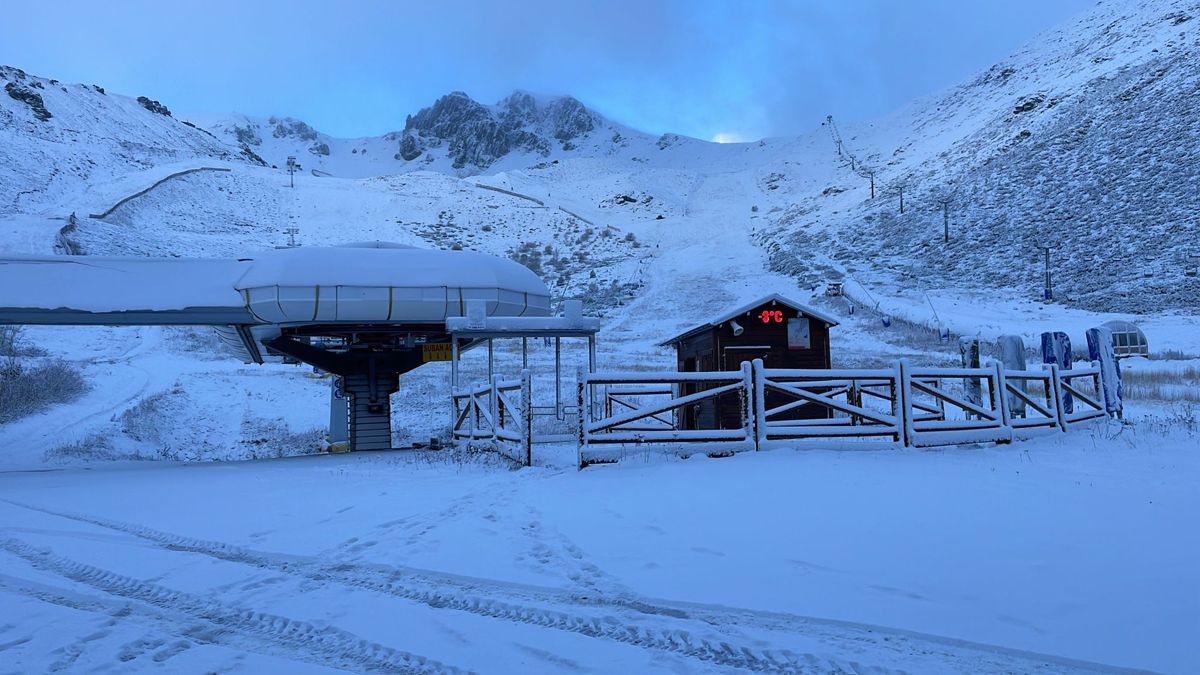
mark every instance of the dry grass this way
{"type": "Point", "coordinates": [27, 390]}
{"type": "Point", "coordinates": [1172, 355]}
{"type": "Point", "coordinates": [1181, 385]}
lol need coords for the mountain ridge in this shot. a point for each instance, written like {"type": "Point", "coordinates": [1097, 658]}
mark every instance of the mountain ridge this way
{"type": "Point", "coordinates": [454, 134]}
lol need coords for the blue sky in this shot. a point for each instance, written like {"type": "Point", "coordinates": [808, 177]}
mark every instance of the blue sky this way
{"type": "Point", "coordinates": [731, 70]}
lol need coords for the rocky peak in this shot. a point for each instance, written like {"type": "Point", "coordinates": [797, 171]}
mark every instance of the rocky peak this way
{"type": "Point", "coordinates": [288, 127]}
{"type": "Point", "coordinates": [477, 135]}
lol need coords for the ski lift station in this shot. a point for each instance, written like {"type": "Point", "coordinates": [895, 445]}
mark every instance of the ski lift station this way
{"type": "Point", "coordinates": [365, 312]}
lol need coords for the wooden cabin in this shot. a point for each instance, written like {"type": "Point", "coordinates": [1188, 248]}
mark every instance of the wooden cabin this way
{"type": "Point", "coordinates": [781, 332]}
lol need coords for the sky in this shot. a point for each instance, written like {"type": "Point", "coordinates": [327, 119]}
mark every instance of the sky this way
{"type": "Point", "coordinates": [728, 71]}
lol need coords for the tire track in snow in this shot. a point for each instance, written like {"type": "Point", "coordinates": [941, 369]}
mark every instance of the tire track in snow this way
{"type": "Point", "coordinates": [327, 646]}
{"type": "Point", "coordinates": [478, 597]}
{"type": "Point", "coordinates": [510, 601]}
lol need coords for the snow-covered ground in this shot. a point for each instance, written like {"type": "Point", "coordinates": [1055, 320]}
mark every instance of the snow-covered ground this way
{"type": "Point", "coordinates": [1068, 553]}
{"type": "Point", "coordinates": [965, 560]}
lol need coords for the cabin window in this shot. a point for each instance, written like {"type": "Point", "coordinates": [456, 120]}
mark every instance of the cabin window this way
{"type": "Point", "coordinates": [798, 333]}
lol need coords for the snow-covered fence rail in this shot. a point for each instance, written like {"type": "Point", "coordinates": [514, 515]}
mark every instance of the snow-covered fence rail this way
{"type": "Point", "coordinates": [1088, 391]}
{"type": "Point", "coordinates": [1031, 399]}
{"type": "Point", "coordinates": [510, 193]}
{"type": "Point", "coordinates": [903, 405]}
{"type": "Point", "coordinates": [626, 420]}
{"type": "Point", "coordinates": [498, 412]}
{"type": "Point", "coordinates": [576, 216]}
{"type": "Point", "coordinates": [107, 212]}
{"type": "Point", "coordinates": [632, 398]}
{"type": "Point", "coordinates": [968, 417]}
{"type": "Point", "coordinates": [846, 403]}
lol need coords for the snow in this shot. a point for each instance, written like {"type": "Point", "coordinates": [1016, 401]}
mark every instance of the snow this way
{"type": "Point", "coordinates": [774, 297]}
{"type": "Point", "coordinates": [1052, 554]}
{"type": "Point", "coordinates": [78, 285]}
{"type": "Point", "coordinates": [400, 268]}
{"type": "Point", "coordinates": [1048, 549]}
{"type": "Point", "coordinates": [278, 286]}
{"type": "Point", "coordinates": [532, 325]}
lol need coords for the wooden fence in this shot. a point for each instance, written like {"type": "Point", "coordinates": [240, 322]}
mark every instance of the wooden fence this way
{"type": "Point", "coordinates": [902, 405]}
{"type": "Point", "coordinates": [499, 413]}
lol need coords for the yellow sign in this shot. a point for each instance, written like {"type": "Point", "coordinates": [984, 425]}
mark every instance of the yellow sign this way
{"type": "Point", "coordinates": [435, 351]}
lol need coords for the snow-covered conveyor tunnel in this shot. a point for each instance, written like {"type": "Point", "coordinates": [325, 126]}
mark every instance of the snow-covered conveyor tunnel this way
{"type": "Point", "coordinates": [367, 312]}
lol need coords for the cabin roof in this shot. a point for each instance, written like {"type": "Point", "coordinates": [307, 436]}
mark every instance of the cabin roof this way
{"type": "Point", "coordinates": [732, 314]}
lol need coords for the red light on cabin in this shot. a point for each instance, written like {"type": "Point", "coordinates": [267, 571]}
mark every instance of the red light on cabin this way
{"type": "Point", "coordinates": [771, 316]}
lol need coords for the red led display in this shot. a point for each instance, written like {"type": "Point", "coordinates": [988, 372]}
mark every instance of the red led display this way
{"type": "Point", "coordinates": [771, 316]}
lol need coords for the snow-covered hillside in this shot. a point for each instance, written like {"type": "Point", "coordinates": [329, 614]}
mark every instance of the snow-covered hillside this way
{"type": "Point", "coordinates": [57, 138]}
{"type": "Point", "coordinates": [1085, 140]}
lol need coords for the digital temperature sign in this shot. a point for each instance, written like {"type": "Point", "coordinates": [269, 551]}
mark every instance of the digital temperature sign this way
{"type": "Point", "coordinates": [771, 316]}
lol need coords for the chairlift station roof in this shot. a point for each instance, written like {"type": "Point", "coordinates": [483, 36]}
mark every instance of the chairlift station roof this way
{"type": "Point", "coordinates": [370, 283]}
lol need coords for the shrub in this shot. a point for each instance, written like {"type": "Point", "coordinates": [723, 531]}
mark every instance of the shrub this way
{"type": "Point", "coordinates": [95, 446]}
{"type": "Point", "coordinates": [270, 438]}
{"type": "Point", "coordinates": [24, 391]}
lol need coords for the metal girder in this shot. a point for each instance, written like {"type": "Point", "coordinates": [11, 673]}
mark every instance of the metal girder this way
{"type": "Point", "coordinates": [349, 362]}
{"type": "Point", "coordinates": [249, 343]}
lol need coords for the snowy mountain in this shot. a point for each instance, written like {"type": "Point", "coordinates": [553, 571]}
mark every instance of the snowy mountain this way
{"type": "Point", "coordinates": [56, 138]}
{"type": "Point", "coordinates": [1085, 140]}
{"type": "Point", "coordinates": [455, 135]}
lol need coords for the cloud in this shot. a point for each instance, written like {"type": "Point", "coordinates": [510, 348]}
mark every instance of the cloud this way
{"type": "Point", "coordinates": [769, 67]}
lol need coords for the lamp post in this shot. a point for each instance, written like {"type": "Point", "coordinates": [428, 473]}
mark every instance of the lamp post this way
{"type": "Point", "coordinates": [292, 168]}
{"type": "Point", "coordinates": [1048, 294]}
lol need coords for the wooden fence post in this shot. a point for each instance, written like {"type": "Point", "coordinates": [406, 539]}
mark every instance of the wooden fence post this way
{"type": "Point", "coordinates": [760, 404]}
{"type": "Point", "coordinates": [475, 409]}
{"type": "Point", "coordinates": [904, 416]}
{"type": "Point", "coordinates": [527, 415]}
{"type": "Point", "coordinates": [749, 406]}
{"type": "Point", "coordinates": [1056, 385]}
{"type": "Point", "coordinates": [496, 409]}
{"type": "Point", "coordinates": [854, 398]}
{"type": "Point", "coordinates": [999, 395]}
{"type": "Point", "coordinates": [584, 413]}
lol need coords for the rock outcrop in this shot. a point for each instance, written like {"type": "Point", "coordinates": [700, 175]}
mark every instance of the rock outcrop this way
{"type": "Point", "coordinates": [476, 135]}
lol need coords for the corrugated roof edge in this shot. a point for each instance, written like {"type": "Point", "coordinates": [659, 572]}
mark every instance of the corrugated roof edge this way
{"type": "Point", "coordinates": [804, 309]}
